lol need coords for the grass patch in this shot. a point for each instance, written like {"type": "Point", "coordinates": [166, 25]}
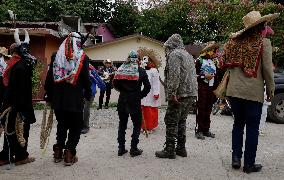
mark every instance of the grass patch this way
{"type": "Point", "coordinates": [39, 106]}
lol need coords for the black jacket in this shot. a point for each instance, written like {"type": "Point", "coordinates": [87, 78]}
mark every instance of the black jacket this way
{"type": "Point", "coordinates": [19, 91]}
{"type": "Point", "coordinates": [130, 91]}
{"type": "Point", "coordinates": [65, 96]}
{"type": "Point", "coordinates": [2, 90]}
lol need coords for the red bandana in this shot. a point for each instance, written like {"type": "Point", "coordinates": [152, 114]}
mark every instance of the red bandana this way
{"type": "Point", "coordinates": [14, 59]}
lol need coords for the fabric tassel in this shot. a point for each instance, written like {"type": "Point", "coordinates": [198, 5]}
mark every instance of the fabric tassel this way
{"type": "Point", "coordinates": [20, 130]}
{"type": "Point", "coordinates": [46, 128]}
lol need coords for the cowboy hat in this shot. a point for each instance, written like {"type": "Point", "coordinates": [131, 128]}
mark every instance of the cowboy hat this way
{"type": "Point", "coordinates": [252, 19]}
{"type": "Point", "coordinates": [152, 54]}
{"type": "Point", "coordinates": [209, 46]}
{"type": "Point", "coordinates": [107, 61]}
{"type": "Point", "coordinates": [4, 52]}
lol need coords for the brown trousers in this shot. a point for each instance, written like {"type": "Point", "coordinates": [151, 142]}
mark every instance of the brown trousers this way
{"type": "Point", "coordinates": [205, 102]}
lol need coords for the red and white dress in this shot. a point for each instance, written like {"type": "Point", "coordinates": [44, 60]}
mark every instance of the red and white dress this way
{"type": "Point", "coordinates": [151, 102]}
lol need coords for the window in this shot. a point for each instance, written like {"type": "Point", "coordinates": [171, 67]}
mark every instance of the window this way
{"type": "Point", "coordinates": [98, 39]}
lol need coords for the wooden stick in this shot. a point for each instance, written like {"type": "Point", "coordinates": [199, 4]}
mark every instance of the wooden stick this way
{"type": "Point", "coordinates": [145, 128]}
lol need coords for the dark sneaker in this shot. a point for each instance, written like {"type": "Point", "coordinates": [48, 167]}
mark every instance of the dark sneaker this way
{"type": "Point", "coordinates": [85, 130]}
{"type": "Point", "coordinates": [181, 152]}
{"type": "Point", "coordinates": [209, 134]}
{"type": "Point", "coordinates": [100, 107]}
{"type": "Point", "coordinates": [253, 168]}
{"type": "Point", "coordinates": [166, 154]}
{"type": "Point", "coordinates": [199, 135]}
{"type": "Point", "coordinates": [135, 152]}
{"type": "Point", "coordinates": [236, 163]}
{"type": "Point", "coordinates": [121, 152]}
{"type": "Point", "coordinates": [106, 107]}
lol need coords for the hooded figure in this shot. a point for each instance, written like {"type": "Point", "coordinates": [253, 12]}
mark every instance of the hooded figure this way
{"type": "Point", "coordinates": [128, 80]}
{"type": "Point", "coordinates": [181, 90]}
{"type": "Point", "coordinates": [67, 85]}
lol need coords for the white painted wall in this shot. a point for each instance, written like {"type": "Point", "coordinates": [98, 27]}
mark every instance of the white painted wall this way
{"type": "Point", "coordinates": [118, 51]}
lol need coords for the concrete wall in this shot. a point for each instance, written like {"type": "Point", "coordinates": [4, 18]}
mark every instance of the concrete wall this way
{"type": "Point", "coordinates": [118, 51]}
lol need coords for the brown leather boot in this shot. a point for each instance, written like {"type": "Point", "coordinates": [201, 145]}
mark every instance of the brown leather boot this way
{"type": "Point", "coordinates": [25, 161]}
{"type": "Point", "coordinates": [69, 158]}
{"type": "Point", "coordinates": [4, 162]}
{"type": "Point", "coordinates": [57, 154]}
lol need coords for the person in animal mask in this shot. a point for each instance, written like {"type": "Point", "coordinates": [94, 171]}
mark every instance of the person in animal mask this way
{"type": "Point", "coordinates": [67, 85]}
{"type": "Point", "coordinates": [17, 78]}
{"type": "Point", "coordinates": [150, 61]}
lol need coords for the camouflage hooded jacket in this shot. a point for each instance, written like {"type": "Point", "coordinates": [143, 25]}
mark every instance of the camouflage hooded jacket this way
{"type": "Point", "coordinates": [180, 73]}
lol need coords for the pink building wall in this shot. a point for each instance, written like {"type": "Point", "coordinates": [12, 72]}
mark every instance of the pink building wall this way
{"type": "Point", "coordinates": [105, 32]}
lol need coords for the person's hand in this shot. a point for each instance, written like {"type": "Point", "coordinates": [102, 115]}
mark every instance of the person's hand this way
{"type": "Point", "coordinates": [175, 99]}
{"type": "Point", "coordinates": [209, 76]}
{"type": "Point", "coordinates": [156, 97]}
{"type": "Point", "coordinates": [269, 98]}
{"type": "Point", "coordinates": [48, 103]}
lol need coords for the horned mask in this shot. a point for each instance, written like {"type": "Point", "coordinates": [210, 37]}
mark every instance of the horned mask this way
{"type": "Point", "coordinates": [22, 48]}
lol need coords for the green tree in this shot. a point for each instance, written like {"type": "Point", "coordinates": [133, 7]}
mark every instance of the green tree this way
{"type": "Point", "coordinates": [125, 18]}
{"type": "Point", "coordinates": [4, 6]}
{"type": "Point", "coordinates": [161, 22]}
{"type": "Point", "coordinates": [50, 10]}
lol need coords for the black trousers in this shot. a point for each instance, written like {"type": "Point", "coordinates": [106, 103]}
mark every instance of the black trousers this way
{"type": "Point", "coordinates": [72, 122]}
{"type": "Point", "coordinates": [102, 94]}
{"type": "Point", "coordinates": [124, 110]}
{"type": "Point", "coordinates": [11, 145]}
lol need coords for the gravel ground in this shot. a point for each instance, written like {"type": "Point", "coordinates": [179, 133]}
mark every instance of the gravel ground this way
{"type": "Point", "coordinates": [97, 152]}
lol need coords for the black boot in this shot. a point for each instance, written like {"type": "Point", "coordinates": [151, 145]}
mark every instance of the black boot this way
{"type": "Point", "coordinates": [253, 168]}
{"type": "Point", "coordinates": [167, 152]}
{"type": "Point", "coordinates": [209, 134]}
{"type": "Point", "coordinates": [181, 151]}
{"type": "Point", "coordinates": [199, 135]}
{"type": "Point", "coordinates": [135, 152]}
{"type": "Point", "coordinates": [236, 163]}
{"type": "Point", "coordinates": [121, 151]}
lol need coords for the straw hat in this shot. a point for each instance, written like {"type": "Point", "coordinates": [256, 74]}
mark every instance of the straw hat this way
{"type": "Point", "coordinates": [252, 19]}
{"type": "Point", "coordinates": [209, 46]}
{"type": "Point", "coordinates": [107, 61]}
{"type": "Point", "coordinates": [4, 52]}
{"type": "Point", "coordinates": [152, 54]}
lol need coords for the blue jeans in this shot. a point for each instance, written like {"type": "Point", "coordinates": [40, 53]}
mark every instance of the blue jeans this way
{"type": "Point", "coordinates": [247, 113]}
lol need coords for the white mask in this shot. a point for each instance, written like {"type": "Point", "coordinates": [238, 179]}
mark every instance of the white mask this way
{"type": "Point", "coordinates": [144, 61]}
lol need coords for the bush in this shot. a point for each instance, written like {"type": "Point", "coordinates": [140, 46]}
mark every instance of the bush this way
{"type": "Point", "coordinates": [215, 23]}
{"type": "Point", "coordinates": [36, 79]}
